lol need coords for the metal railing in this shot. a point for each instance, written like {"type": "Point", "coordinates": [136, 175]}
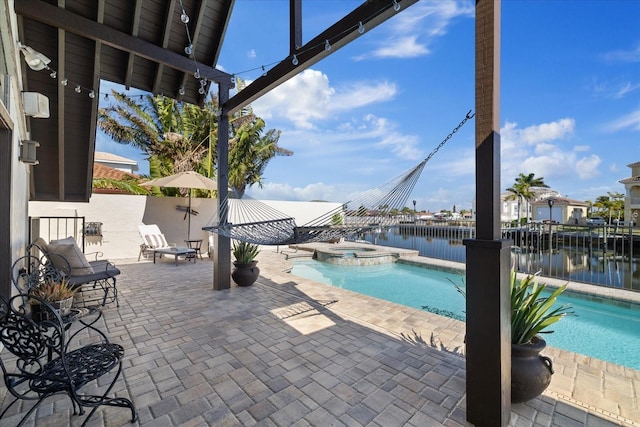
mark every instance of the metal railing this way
{"type": "Point", "coordinates": [58, 227]}
{"type": "Point", "coordinates": [601, 255]}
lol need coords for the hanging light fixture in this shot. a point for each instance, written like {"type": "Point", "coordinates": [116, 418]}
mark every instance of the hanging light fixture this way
{"type": "Point", "coordinates": [35, 60]}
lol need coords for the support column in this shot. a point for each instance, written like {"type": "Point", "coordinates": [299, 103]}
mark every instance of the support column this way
{"type": "Point", "coordinates": [222, 244]}
{"type": "Point", "coordinates": [488, 338]}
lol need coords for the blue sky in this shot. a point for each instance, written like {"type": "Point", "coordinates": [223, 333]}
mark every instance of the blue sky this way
{"type": "Point", "coordinates": [570, 98]}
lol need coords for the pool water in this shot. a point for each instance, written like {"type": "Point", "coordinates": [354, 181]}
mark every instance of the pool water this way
{"type": "Point", "coordinates": [602, 330]}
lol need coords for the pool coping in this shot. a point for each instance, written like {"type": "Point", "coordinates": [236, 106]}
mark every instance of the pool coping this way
{"type": "Point", "coordinates": [611, 390]}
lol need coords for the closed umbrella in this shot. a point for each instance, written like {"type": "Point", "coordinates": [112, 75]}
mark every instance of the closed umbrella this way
{"type": "Point", "coordinates": [189, 179]}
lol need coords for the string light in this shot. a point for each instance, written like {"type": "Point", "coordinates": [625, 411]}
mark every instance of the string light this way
{"type": "Point", "coordinates": [188, 49]}
{"type": "Point", "coordinates": [53, 74]}
{"type": "Point", "coordinates": [184, 17]}
{"type": "Point", "coordinates": [64, 82]}
{"type": "Point", "coordinates": [181, 91]}
{"type": "Point", "coordinates": [92, 94]}
{"type": "Point", "coordinates": [360, 27]}
{"type": "Point", "coordinates": [197, 73]}
{"type": "Point", "coordinates": [78, 89]}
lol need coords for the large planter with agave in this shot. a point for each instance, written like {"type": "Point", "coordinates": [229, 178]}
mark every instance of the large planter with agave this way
{"type": "Point", "coordinates": [245, 271]}
{"type": "Point", "coordinates": [532, 312]}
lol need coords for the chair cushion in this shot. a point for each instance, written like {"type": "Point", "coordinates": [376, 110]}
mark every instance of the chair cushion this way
{"type": "Point", "coordinates": [69, 250]}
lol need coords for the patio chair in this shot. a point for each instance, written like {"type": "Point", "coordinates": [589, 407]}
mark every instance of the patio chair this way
{"type": "Point", "coordinates": [42, 362]}
{"type": "Point", "coordinates": [96, 280]}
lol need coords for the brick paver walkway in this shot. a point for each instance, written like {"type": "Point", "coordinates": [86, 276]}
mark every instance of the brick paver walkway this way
{"type": "Point", "coordinates": [290, 352]}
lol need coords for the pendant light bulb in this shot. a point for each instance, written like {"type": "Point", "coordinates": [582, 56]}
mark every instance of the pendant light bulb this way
{"type": "Point", "coordinates": [396, 5]}
{"type": "Point", "coordinates": [327, 45]}
{"type": "Point", "coordinates": [64, 82]}
{"type": "Point", "coordinates": [181, 91]}
{"type": "Point", "coordinates": [184, 17]}
{"type": "Point", "coordinates": [201, 91]}
{"type": "Point", "coordinates": [197, 74]}
{"type": "Point", "coordinates": [92, 94]}
{"type": "Point", "coordinates": [78, 89]}
{"type": "Point", "coordinates": [360, 28]}
{"type": "Point", "coordinates": [294, 61]}
{"type": "Point", "coordinates": [188, 49]}
{"type": "Point", "coordinates": [53, 74]}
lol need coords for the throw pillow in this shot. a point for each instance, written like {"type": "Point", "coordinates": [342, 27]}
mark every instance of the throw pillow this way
{"type": "Point", "coordinates": [69, 250]}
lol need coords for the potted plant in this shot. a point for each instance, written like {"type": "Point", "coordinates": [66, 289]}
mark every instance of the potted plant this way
{"type": "Point", "coordinates": [245, 271]}
{"type": "Point", "coordinates": [533, 310]}
{"type": "Point", "coordinates": [58, 293]}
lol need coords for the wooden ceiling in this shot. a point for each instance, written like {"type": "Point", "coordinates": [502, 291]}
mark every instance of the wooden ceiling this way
{"type": "Point", "coordinates": [140, 44]}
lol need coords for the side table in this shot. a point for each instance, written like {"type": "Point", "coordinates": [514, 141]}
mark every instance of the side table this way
{"type": "Point", "coordinates": [195, 244]}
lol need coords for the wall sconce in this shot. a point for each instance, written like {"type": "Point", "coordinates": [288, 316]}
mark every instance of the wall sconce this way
{"type": "Point", "coordinates": [28, 152]}
{"type": "Point", "coordinates": [35, 60]}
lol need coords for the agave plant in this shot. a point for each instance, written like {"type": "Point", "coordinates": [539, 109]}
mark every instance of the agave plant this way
{"type": "Point", "coordinates": [532, 312]}
{"type": "Point", "coordinates": [52, 290]}
{"type": "Point", "coordinates": [245, 252]}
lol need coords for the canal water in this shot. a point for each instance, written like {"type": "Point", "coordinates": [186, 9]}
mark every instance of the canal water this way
{"type": "Point", "coordinates": [616, 267]}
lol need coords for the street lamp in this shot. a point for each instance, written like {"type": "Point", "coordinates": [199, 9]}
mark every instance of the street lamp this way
{"type": "Point", "coordinates": [550, 202]}
{"type": "Point", "coordinates": [415, 224]}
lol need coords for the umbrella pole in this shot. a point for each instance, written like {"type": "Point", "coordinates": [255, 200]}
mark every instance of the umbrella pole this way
{"type": "Point", "coordinates": [189, 218]}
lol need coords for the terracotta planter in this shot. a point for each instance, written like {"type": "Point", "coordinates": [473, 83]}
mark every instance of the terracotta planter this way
{"type": "Point", "coordinates": [245, 274]}
{"type": "Point", "coordinates": [530, 372]}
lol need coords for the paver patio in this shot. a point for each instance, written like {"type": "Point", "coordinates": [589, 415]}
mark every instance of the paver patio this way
{"type": "Point", "coordinates": [288, 351]}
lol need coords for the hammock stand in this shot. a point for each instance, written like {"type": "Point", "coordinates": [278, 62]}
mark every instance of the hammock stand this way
{"type": "Point", "coordinates": [252, 221]}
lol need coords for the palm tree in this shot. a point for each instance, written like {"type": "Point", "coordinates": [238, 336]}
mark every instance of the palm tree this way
{"type": "Point", "coordinates": [521, 190]}
{"type": "Point", "coordinates": [179, 137]}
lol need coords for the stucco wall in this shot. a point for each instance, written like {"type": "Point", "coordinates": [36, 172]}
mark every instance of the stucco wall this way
{"type": "Point", "coordinates": [120, 216]}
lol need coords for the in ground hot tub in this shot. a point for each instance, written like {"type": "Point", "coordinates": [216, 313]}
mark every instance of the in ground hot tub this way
{"type": "Point", "coordinates": [356, 255]}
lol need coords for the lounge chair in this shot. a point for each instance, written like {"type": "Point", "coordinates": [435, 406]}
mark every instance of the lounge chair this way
{"type": "Point", "coordinates": [156, 243]}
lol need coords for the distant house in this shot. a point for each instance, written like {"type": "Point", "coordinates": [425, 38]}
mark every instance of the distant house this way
{"type": "Point", "coordinates": [509, 208]}
{"type": "Point", "coordinates": [632, 196]}
{"type": "Point", "coordinates": [109, 166]}
{"type": "Point", "coordinates": [561, 210]}
{"type": "Point", "coordinates": [115, 162]}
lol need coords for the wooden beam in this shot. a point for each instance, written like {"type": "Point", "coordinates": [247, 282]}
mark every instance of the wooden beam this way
{"type": "Point", "coordinates": [372, 13]}
{"type": "Point", "coordinates": [166, 35]}
{"type": "Point", "coordinates": [46, 13]}
{"type": "Point", "coordinates": [137, 9]}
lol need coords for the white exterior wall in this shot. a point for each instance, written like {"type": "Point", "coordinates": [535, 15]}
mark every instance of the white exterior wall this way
{"type": "Point", "coordinates": [12, 107]}
{"type": "Point", "coordinates": [120, 216]}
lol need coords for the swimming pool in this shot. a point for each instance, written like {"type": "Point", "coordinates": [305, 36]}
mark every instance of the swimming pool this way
{"type": "Point", "coordinates": [602, 330]}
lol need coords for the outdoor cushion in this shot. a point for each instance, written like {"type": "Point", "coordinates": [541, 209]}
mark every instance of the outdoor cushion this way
{"type": "Point", "coordinates": [68, 249]}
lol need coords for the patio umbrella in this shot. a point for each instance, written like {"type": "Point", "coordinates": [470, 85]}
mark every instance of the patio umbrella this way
{"type": "Point", "coordinates": [190, 180]}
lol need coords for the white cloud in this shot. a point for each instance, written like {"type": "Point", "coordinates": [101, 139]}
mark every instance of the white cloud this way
{"type": "Point", "coordinates": [410, 34]}
{"type": "Point", "coordinates": [628, 121]}
{"type": "Point", "coordinates": [542, 149]}
{"type": "Point", "coordinates": [625, 56]}
{"type": "Point", "coordinates": [251, 54]}
{"type": "Point", "coordinates": [308, 98]}
{"type": "Point", "coordinates": [544, 132]}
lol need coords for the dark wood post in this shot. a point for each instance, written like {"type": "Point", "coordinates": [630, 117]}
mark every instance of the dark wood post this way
{"type": "Point", "coordinates": [222, 244]}
{"type": "Point", "coordinates": [488, 339]}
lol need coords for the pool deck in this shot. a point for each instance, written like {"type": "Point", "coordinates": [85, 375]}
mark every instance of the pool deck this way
{"type": "Point", "coordinates": [292, 352]}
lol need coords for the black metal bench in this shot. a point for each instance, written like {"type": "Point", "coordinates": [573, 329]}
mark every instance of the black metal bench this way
{"type": "Point", "coordinates": [43, 362]}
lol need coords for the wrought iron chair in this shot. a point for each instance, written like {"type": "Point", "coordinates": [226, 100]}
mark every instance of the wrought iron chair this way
{"type": "Point", "coordinates": [43, 364]}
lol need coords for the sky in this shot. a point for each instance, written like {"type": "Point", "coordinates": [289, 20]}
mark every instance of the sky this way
{"type": "Point", "coordinates": [569, 98]}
